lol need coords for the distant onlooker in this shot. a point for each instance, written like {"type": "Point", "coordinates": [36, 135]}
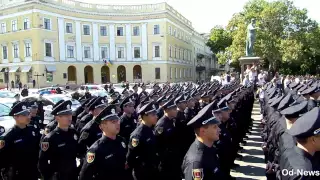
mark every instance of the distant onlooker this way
{"type": "Point", "coordinates": [25, 91]}
{"type": "Point", "coordinates": [34, 83]}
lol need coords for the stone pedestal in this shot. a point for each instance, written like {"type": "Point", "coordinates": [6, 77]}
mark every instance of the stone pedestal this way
{"type": "Point", "coordinates": [246, 60]}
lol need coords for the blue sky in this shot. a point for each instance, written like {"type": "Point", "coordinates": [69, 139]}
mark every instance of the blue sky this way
{"type": "Point", "coordinates": [205, 14]}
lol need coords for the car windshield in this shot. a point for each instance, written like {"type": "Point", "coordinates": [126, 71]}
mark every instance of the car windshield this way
{"type": "Point", "coordinates": [7, 94]}
{"type": "Point", "coordinates": [4, 110]}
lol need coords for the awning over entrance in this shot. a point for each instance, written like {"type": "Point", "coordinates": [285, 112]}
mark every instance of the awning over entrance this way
{"type": "Point", "coordinates": [13, 69]}
{"type": "Point", "coordinates": [51, 68]}
{"type": "Point", "coordinates": [25, 68]}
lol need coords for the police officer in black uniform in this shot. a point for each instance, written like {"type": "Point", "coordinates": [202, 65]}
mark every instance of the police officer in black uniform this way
{"type": "Point", "coordinates": [35, 120]}
{"type": "Point", "coordinates": [85, 119]}
{"type": "Point", "coordinates": [17, 97]}
{"type": "Point", "coordinates": [106, 158]}
{"type": "Point", "coordinates": [128, 122]}
{"type": "Point", "coordinates": [201, 161]}
{"type": "Point", "coordinates": [91, 131]}
{"type": "Point", "coordinates": [167, 141]}
{"type": "Point", "coordinates": [53, 124]}
{"type": "Point", "coordinates": [306, 130]}
{"type": "Point", "coordinates": [59, 149]}
{"type": "Point", "coordinates": [142, 154]}
{"type": "Point", "coordinates": [19, 147]}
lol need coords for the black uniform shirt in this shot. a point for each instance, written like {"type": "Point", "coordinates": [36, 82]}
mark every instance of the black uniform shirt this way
{"type": "Point", "coordinates": [105, 159]}
{"type": "Point", "coordinates": [127, 126]}
{"type": "Point", "coordinates": [59, 150]}
{"type": "Point", "coordinates": [201, 163]}
{"type": "Point", "coordinates": [90, 134]}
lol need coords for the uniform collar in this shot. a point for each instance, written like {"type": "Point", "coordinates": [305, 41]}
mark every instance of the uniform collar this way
{"type": "Point", "coordinates": [105, 138]}
{"type": "Point", "coordinates": [303, 153]}
{"type": "Point", "coordinates": [200, 145]}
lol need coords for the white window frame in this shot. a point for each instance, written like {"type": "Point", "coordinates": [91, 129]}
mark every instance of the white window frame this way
{"type": "Point", "coordinates": [138, 30]}
{"type": "Point", "coordinates": [3, 53]}
{"type": "Point", "coordinates": [124, 52]}
{"type": "Point", "coordinates": [156, 31]}
{"type": "Point", "coordinates": [83, 29]}
{"type": "Point", "coordinates": [66, 25]}
{"type": "Point", "coordinates": [45, 50]}
{"type": "Point", "coordinates": [91, 52]}
{"type": "Point", "coordinates": [3, 27]}
{"type": "Point", "coordinates": [25, 49]}
{"type": "Point", "coordinates": [155, 74]}
{"type": "Point", "coordinates": [67, 51]}
{"type": "Point", "coordinates": [13, 50]}
{"type": "Point", "coordinates": [14, 22]}
{"type": "Point", "coordinates": [48, 58]}
{"type": "Point", "coordinates": [101, 31]}
{"type": "Point", "coordinates": [107, 53]}
{"type": "Point", "coordinates": [27, 22]}
{"type": "Point", "coordinates": [123, 32]}
{"type": "Point", "coordinates": [50, 23]}
{"type": "Point", "coordinates": [137, 46]}
{"type": "Point", "coordinates": [154, 51]}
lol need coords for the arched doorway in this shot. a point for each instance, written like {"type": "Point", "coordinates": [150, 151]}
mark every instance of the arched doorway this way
{"type": "Point", "coordinates": [137, 72]}
{"type": "Point", "coordinates": [105, 74]}
{"type": "Point", "coordinates": [88, 75]}
{"type": "Point", "coordinates": [72, 74]}
{"type": "Point", "coordinates": [121, 72]}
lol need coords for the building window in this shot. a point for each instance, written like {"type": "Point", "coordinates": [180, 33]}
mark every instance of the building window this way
{"type": "Point", "coordinates": [170, 51]}
{"type": "Point", "coordinates": [120, 52]}
{"type": "Point", "coordinates": [175, 52]}
{"type": "Point", "coordinates": [103, 31]}
{"type": "Point", "coordinates": [86, 30]}
{"type": "Point", "coordinates": [28, 48]}
{"type": "Point", "coordinates": [174, 32]}
{"type": "Point", "coordinates": [176, 72]}
{"type": "Point", "coordinates": [156, 51]}
{"type": "Point", "coordinates": [104, 52]}
{"type": "Point", "coordinates": [178, 53]}
{"type": "Point", "coordinates": [69, 27]}
{"type": "Point", "coordinates": [157, 73]}
{"type": "Point", "coordinates": [181, 53]}
{"type": "Point", "coordinates": [184, 73]}
{"type": "Point", "coordinates": [180, 73]}
{"type": "Point", "coordinates": [136, 31]}
{"type": "Point", "coordinates": [156, 29]}
{"type": "Point", "coordinates": [3, 28]}
{"type": "Point", "coordinates": [15, 51]}
{"type": "Point", "coordinates": [4, 52]}
{"type": "Point", "coordinates": [48, 47]}
{"type": "Point", "coordinates": [136, 52]}
{"type": "Point", "coordinates": [47, 23]}
{"type": "Point", "coordinates": [119, 31]}
{"type": "Point", "coordinates": [87, 52]}
{"type": "Point", "coordinates": [49, 76]}
{"type": "Point", "coordinates": [190, 74]}
{"type": "Point", "coordinates": [14, 25]}
{"type": "Point", "coordinates": [30, 78]}
{"type": "Point", "coordinates": [170, 30]}
{"type": "Point", "coordinates": [70, 51]}
{"type": "Point", "coordinates": [171, 72]}
{"type": "Point", "coordinates": [26, 24]}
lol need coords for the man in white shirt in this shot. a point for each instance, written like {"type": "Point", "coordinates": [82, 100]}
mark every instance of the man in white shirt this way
{"type": "Point", "coordinates": [245, 81]}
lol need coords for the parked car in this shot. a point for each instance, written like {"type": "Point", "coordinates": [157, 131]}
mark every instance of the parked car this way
{"type": "Point", "coordinates": [6, 121]}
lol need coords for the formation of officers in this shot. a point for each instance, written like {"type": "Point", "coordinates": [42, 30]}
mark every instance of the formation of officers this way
{"type": "Point", "coordinates": [174, 132]}
{"type": "Point", "coordinates": [291, 132]}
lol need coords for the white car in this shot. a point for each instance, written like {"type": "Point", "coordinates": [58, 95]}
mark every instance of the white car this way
{"type": "Point", "coordinates": [6, 121]}
{"type": "Point", "coordinates": [7, 98]}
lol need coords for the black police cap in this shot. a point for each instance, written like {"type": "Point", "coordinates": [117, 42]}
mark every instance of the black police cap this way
{"type": "Point", "coordinates": [169, 104]}
{"type": "Point", "coordinates": [311, 90]}
{"type": "Point", "coordinates": [99, 102]}
{"type": "Point", "coordinates": [276, 101]}
{"type": "Point", "coordinates": [107, 114]}
{"type": "Point", "coordinates": [135, 86]}
{"type": "Point", "coordinates": [116, 101]}
{"type": "Point", "coordinates": [221, 106]}
{"type": "Point", "coordinates": [124, 91]}
{"type": "Point", "coordinates": [308, 125]}
{"type": "Point", "coordinates": [147, 109]}
{"type": "Point", "coordinates": [62, 109]}
{"type": "Point", "coordinates": [161, 99]}
{"type": "Point", "coordinates": [285, 102]}
{"type": "Point", "coordinates": [295, 110]}
{"type": "Point", "coordinates": [204, 117]}
{"type": "Point", "coordinates": [90, 102]}
{"type": "Point", "coordinates": [33, 104]}
{"type": "Point", "coordinates": [180, 99]}
{"type": "Point", "coordinates": [126, 101]}
{"type": "Point", "coordinates": [21, 108]}
{"type": "Point", "coordinates": [58, 103]}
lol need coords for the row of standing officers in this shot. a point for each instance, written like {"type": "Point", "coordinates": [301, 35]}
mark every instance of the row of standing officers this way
{"type": "Point", "coordinates": [197, 137]}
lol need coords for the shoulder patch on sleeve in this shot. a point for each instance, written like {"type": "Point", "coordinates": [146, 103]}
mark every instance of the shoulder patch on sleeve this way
{"type": "Point", "coordinates": [90, 157]}
{"type": "Point", "coordinates": [2, 144]}
{"type": "Point", "coordinates": [160, 130]}
{"type": "Point", "coordinates": [134, 142]}
{"type": "Point", "coordinates": [197, 174]}
{"type": "Point", "coordinates": [44, 146]}
{"type": "Point", "coordinates": [84, 135]}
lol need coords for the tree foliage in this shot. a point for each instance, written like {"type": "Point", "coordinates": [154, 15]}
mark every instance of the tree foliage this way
{"type": "Point", "coordinates": [286, 37]}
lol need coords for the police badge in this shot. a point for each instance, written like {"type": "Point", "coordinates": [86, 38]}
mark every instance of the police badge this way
{"type": "Point", "coordinates": [2, 144]}
{"type": "Point", "coordinates": [160, 130]}
{"type": "Point", "coordinates": [84, 135]}
{"type": "Point", "coordinates": [90, 157]}
{"type": "Point", "coordinates": [197, 174]}
{"type": "Point", "coordinates": [134, 142]}
{"type": "Point", "coordinates": [113, 111]}
{"type": "Point", "coordinates": [44, 146]}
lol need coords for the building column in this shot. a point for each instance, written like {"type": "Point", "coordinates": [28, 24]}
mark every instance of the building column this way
{"type": "Point", "coordinates": [112, 42]}
{"type": "Point", "coordinates": [144, 40]}
{"type": "Point", "coordinates": [128, 42]}
{"type": "Point", "coordinates": [95, 38]}
{"type": "Point", "coordinates": [62, 43]}
{"type": "Point", "coordinates": [78, 41]}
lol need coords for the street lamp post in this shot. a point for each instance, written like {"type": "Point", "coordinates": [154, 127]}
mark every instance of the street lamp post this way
{"type": "Point", "coordinates": [7, 76]}
{"type": "Point", "coordinates": [37, 75]}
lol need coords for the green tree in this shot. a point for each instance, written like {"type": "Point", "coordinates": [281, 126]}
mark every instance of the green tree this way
{"type": "Point", "coordinates": [286, 36]}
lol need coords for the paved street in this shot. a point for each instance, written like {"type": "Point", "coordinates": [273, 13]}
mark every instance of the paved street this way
{"type": "Point", "coordinates": [252, 164]}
